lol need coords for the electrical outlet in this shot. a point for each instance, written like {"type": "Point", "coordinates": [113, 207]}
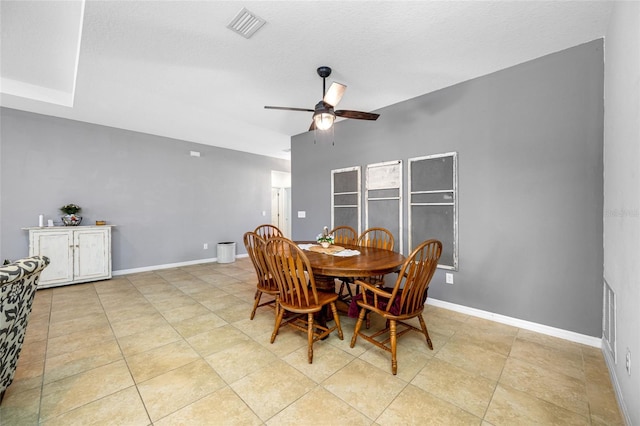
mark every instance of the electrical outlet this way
{"type": "Point", "coordinates": [448, 278]}
{"type": "Point", "coordinates": [206, 246]}
{"type": "Point", "coordinates": [628, 365]}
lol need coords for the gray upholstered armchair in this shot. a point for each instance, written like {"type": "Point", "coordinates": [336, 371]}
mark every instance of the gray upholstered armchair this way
{"type": "Point", "coordinates": [18, 281]}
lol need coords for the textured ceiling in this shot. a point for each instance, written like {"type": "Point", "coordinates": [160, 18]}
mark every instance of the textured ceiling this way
{"type": "Point", "coordinates": [174, 69]}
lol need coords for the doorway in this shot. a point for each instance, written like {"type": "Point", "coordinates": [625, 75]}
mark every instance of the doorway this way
{"type": "Point", "coordinates": [281, 201]}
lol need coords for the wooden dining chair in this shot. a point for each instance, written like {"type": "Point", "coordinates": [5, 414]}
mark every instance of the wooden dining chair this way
{"type": "Point", "coordinates": [344, 235]}
{"type": "Point", "coordinates": [402, 302]}
{"type": "Point", "coordinates": [267, 231]}
{"type": "Point", "coordinates": [380, 238]}
{"type": "Point", "coordinates": [266, 284]}
{"type": "Point", "coordinates": [376, 237]}
{"type": "Point", "coordinates": [298, 294]}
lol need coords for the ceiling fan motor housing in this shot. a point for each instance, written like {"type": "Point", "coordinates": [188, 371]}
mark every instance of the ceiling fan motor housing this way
{"type": "Point", "coordinates": [324, 71]}
{"type": "Point", "coordinates": [324, 108]}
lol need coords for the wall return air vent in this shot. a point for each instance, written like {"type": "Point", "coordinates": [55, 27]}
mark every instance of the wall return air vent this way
{"type": "Point", "coordinates": [246, 23]}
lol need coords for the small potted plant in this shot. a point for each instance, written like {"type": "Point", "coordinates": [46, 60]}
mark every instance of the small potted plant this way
{"type": "Point", "coordinates": [325, 240]}
{"type": "Point", "coordinates": [71, 217]}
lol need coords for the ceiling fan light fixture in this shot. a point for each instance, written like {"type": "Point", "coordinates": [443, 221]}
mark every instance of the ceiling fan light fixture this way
{"type": "Point", "coordinates": [324, 120]}
{"type": "Point", "coordinates": [323, 117]}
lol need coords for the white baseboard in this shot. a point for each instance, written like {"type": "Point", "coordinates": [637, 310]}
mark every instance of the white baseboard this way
{"type": "Point", "coordinates": [611, 365]}
{"type": "Point", "coordinates": [169, 265]}
{"type": "Point", "coordinates": [527, 325]}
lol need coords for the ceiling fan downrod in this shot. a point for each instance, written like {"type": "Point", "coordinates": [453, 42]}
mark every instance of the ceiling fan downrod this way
{"type": "Point", "coordinates": [324, 72]}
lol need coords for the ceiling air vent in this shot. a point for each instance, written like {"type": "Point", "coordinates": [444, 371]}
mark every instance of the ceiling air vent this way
{"type": "Point", "coordinates": [246, 23]}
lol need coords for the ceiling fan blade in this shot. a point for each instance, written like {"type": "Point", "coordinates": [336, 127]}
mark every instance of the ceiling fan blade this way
{"type": "Point", "coordinates": [358, 115]}
{"type": "Point", "coordinates": [289, 108]}
{"type": "Point", "coordinates": [334, 94]}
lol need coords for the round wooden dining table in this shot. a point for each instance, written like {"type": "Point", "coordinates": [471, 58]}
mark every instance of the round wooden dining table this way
{"type": "Point", "coordinates": [370, 262]}
{"type": "Point", "coordinates": [327, 267]}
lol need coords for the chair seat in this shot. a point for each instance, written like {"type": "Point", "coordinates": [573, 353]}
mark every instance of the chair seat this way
{"type": "Point", "coordinates": [269, 287]}
{"type": "Point", "coordinates": [382, 305]}
{"type": "Point", "coordinates": [324, 298]}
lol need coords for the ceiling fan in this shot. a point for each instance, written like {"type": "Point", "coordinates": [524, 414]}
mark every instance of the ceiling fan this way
{"type": "Point", "coordinates": [324, 114]}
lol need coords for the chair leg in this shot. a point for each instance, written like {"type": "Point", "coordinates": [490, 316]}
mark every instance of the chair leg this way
{"type": "Point", "coordinates": [394, 346]}
{"type": "Point", "coordinates": [334, 309]}
{"type": "Point", "coordinates": [423, 325]}
{"type": "Point", "coordinates": [277, 326]}
{"type": "Point", "coordinates": [310, 336]}
{"type": "Point", "coordinates": [356, 330]}
{"type": "Point", "coordinates": [256, 302]}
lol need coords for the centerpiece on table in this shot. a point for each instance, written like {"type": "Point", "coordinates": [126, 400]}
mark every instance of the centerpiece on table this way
{"type": "Point", "coordinates": [71, 217]}
{"type": "Point", "coordinates": [325, 239]}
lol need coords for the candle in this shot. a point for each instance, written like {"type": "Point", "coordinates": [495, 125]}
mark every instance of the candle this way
{"type": "Point", "coordinates": [41, 220]}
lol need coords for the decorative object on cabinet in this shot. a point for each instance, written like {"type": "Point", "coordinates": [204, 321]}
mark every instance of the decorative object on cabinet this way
{"type": "Point", "coordinates": [78, 254]}
{"type": "Point", "coordinates": [18, 281]}
{"type": "Point", "coordinates": [71, 220]}
{"type": "Point", "coordinates": [71, 217]}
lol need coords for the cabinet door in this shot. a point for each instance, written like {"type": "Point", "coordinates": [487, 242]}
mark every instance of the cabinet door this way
{"type": "Point", "coordinates": [92, 258]}
{"type": "Point", "coordinates": [58, 247]}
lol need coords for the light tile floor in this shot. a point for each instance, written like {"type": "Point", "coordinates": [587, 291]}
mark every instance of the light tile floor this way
{"type": "Point", "coordinates": [176, 347]}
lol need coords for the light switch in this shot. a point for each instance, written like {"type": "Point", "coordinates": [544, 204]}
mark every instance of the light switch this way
{"type": "Point", "coordinates": [302, 214]}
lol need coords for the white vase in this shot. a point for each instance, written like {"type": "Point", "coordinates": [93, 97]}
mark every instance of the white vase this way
{"type": "Point", "coordinates": [325, 244]}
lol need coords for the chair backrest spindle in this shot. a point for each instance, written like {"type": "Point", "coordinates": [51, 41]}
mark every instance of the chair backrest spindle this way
{"type": "Point", "coordinates": [377, 238]}
{"type": "Point", "coordinates": [267, 231]}
{"type": "Point", "coordinates": [344, 235]}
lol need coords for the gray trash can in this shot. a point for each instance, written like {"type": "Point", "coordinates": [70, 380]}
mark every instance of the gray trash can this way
{"type": "Point", "coordinates": [226, 252]}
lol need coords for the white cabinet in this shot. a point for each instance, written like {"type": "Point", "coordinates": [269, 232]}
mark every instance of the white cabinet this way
{"type": "Point", "coordinates": [77, 253]}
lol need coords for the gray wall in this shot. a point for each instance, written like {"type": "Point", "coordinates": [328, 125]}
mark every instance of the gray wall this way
{"type": "Point", "coordinates": [165, 203]}
{"type": "Point", "coordinates": [529, 140]}
{"type": "Point", "coordinates": [622, 194]}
